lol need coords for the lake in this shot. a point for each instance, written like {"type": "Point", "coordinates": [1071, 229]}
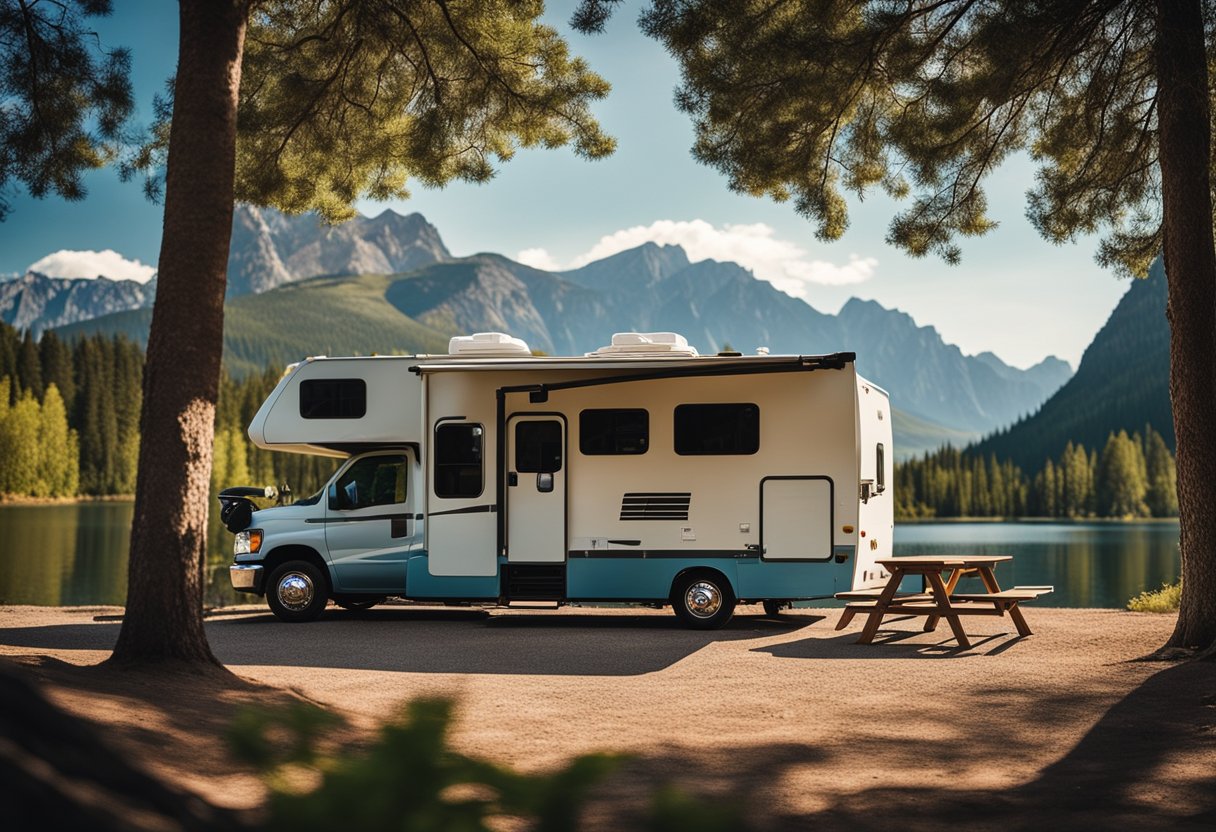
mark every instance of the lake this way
{"type": "Point", "coordinates": [76, 554]}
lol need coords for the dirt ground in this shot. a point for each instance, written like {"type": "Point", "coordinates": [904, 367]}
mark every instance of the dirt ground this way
{"type": "Point", "coordinates": [785, 716]}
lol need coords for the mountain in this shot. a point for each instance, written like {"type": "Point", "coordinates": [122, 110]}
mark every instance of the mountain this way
{"type": "Point", "coordinates": [1122, 383]}
{"type": "Point", "coordinates": [943, 395]}
{"type": "Point", "coordinates": [270, 248]}
{"type": "Point", "coordinates": [298, 320]}
{"type": "Point", "coordinates": [936, 381]}
{"type": "Point", "coordinates": [714, 304]}
{"type": "Point", "coordinates": [36, 302]}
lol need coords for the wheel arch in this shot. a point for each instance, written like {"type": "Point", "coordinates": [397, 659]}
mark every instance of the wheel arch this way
{"type": "Point", "coordinates": [701, 569]}
{"type": "Point", "coordinates": [295, 551]}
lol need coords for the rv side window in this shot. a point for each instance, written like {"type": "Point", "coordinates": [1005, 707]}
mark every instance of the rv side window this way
{"type": "Point", "coordinates": [604, 432]}
{"type": "Point", "coordinates": [372, 481]}
{"type": "Point", "coordinates": [458, 460]}
{"type": "Point", "coordinates": [333, 398]}
{"type": "Point", "coordinates": [538, 447]}
{"type": "Point", "coordinates": [881, 479]}
{"type": "Point", "coordinates": [717, 429]}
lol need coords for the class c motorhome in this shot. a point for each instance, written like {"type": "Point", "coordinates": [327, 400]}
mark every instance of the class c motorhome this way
{"type": "Point", "coordinates": [642, 472]}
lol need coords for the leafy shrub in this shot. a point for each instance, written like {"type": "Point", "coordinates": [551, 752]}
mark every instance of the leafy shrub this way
{"type": "Point", "coordinates": [1165, 599]}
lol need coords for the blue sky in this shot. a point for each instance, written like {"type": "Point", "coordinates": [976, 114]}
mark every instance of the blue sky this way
{"type": "Point", "coordinates": [1014, 293]}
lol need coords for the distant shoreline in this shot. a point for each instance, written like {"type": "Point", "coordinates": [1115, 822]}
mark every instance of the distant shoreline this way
{"type": "Point", "coordinates": [20, 500]}
{"type": "Point", "coordinates": [1077, 521]}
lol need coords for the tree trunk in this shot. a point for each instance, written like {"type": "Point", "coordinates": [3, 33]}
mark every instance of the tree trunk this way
{"type": "Point", "coordinates": [1184, 122]}
{"type": "Point", "coordinates": [164, 614]}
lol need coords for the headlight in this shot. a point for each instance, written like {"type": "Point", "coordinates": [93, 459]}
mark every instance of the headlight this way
{"type": "Point", "coordinates": [247, 542]}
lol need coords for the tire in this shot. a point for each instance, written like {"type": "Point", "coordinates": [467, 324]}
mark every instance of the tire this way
{"type": "Point", "coordinates": [296, 591]}
{"type": "Point", "coordinates": [356, 604]}
{"type": "Point", "coordinates": [703, 600]}
{"type": "Point", "coordinates": [773, 608]}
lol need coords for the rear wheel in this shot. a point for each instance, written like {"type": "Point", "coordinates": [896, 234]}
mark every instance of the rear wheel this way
{"type": "Point", "coordinates": [297, 591]}
{"type": "Point", "coordinates": [356, 604]}
{"type": "Point", "coordinates": [703, 600]}
{"type": "Point", "coordinates": [773, 608]}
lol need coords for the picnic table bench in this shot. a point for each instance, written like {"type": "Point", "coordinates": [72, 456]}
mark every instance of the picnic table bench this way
{"type": "Point", "coordinates": [939, 599]}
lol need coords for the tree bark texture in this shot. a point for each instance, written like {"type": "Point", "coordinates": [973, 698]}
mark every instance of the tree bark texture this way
{"type": "Point", "coordinates": [1184, 122]}
{"type": "Point", "coordinates": [164, 613]}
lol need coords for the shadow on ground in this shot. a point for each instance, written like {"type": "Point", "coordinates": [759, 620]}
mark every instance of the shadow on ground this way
{"type": "Point", "coordinates": [443, 641]}
{"type": "Point", "coordinates": [1148, 763]}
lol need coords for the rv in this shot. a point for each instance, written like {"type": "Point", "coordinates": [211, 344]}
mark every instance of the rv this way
{"type": "Point", "coordinates": [640, 473]}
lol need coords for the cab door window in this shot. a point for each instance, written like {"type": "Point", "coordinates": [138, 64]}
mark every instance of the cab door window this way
{"type": "Point", "coordinates": [371, 481]}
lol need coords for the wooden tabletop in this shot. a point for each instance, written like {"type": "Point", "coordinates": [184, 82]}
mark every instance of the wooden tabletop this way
{"type": "Point", "coordinates": [945, 561]}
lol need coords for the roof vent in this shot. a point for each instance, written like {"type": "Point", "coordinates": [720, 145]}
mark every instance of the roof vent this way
{"type": "Point", "coordinates": [488, 345]}
{"type": "Point", "coordinates": [647, 345]}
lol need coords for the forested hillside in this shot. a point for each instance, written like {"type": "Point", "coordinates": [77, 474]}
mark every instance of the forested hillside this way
{"type": "Point", "coordinates": [69, 421]}
{"type": "Point", "coordinates": [1122, 383]}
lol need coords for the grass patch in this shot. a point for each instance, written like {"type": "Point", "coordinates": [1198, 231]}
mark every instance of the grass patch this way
{"type": "Point", "coordinates": [1165, 599]}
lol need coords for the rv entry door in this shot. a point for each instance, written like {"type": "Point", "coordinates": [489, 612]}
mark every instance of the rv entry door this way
{"type": "Point", "coordinates": [536, 489]}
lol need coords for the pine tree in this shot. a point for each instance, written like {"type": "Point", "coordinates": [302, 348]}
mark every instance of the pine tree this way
{"type": "Point", "coordinates": [19, 446]}
{"type": "Point", "coordinates": [1121, 481]}
{"type": "Point", "coordinates": [56, 360]}
{"type": "Point", "coordinates": [29, 366]}
{"type": "Point", "coordinates": [1162, 494]}
{"type": "Point", "coordinates": [57, 468]}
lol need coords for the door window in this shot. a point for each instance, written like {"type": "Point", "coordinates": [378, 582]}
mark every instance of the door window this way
{"type": "Point", "coordinates": [538, 447]}
{"type": "Point", "coordinates": [371, 481]}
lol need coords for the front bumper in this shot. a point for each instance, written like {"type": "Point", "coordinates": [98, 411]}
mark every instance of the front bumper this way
{"type": "Point", "coordinates": [247, 577]}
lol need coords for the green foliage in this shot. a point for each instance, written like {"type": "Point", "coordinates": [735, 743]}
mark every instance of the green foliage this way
{"type": "Point", "coordinates": [65, 98]}
{"type": "Point", "coordinates": [407, 779]}
{"type": "Point", "coordinates": [674, 809]}
{"type": "Point", "coordinates": [1122, 478]}
{"type": "Point", "coordinates": [38, 451]}
{"type": "Point", "coordinates": [1166, 599]}
{"type": "Point", "coordinates": [349, 100]}
{"type": "Point", "coordinates": [809, 99]}
{"type": "Point", "coordinates": [1131, 478]}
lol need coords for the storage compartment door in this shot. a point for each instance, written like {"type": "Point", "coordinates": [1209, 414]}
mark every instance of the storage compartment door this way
{"type": "Point", "coordinates": [796, 518]}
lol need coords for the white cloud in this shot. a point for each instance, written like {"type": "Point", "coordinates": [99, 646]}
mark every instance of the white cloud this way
{"type": "Point", "coordinates": [538, 258]}
{"type": "Point", "coordinates": [107, 263]}
{"type": "Point", "coordinates": [784, 263]}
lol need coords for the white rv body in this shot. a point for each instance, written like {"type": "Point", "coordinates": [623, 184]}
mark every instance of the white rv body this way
{"type": "Point", "coordinates": [642, 472]}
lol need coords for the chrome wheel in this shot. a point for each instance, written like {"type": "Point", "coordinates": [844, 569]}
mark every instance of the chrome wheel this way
{"type": "Point", "coordinates": [703, 599]}
{"type": "Point", "coordinates": [295, 591]}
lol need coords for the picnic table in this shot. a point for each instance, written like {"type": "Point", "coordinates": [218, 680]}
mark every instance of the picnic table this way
{"type": "Point", "coordinates": [939, 599]}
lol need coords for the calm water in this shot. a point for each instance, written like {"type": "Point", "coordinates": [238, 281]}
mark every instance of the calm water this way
{"type": "Point", "coordinates": [77, 554]}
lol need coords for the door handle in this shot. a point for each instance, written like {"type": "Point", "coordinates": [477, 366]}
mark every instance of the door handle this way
{"type": "Point", "coordinates": [544, 483]}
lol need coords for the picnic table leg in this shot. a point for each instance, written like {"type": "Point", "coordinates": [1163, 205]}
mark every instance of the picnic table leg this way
{"type": "Point", "coordinates": [880, 606]}
{"type": "Point", "coordinates": [1014, 613]}
{"type": "Point", "coordinates": [845, 618]}
{"type": "Point", "coordinates": [951, 583]}
{"type": "Point", "coordinates": [945, 611]}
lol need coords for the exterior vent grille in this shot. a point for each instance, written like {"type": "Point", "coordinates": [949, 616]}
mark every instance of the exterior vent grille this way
{"type": "Point", "coordinates": [656, 506]}
{"type": "Point", "coordinates": [536, 583]}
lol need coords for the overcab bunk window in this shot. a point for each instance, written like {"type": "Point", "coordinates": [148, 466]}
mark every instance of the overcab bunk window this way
{"type": "Point", "coordinates": [613, 432]}
{"type": "Point", "coordinates": [333, 398]}
{"type": "Point", "coordinates": [711, 429]}
{"type": "Point", "coordinates": [458, 460]}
